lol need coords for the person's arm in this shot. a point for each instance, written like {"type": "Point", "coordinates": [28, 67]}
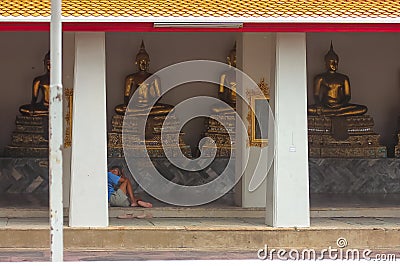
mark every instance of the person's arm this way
{"type": "Point", "coordinates": [113, 179]}
{"type": "Point", "coordinates": [122, 178]}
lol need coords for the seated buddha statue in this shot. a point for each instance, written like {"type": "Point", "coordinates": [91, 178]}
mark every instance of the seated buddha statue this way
{"type": "Point", "coordinates": [147, 91]}
{"type": "Point", "coordinates": [332, 92]}
{"type": "Point", "coordinates": [228, 80]}
{"type": "Point", "coordinates": [41, 85]}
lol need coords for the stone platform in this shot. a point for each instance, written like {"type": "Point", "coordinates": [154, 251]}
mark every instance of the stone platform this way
{"type": "Point", "coordinates": [397, 147]}
{"type": "Point", "coordinates": [30, 139]}
{"type": "Point", "coordinates": [30, 175]}
{"type": "Point", "coordinates": [225, 146]}
{"type": "Point", "coordinates": [152, 142]}
{"type": "Point", "coordinates": [222, 234]}
{"type": "Point", "coordinates": [344, 137]}
{"type": "Point", "coordinates": [327, 175]}
{"type": "Point", "coordinates": [24, 175]}
{"type": "Point", "coordinates": [365, 176]}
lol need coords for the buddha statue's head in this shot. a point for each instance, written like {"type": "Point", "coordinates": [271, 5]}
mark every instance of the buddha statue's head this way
{"type": "Point", "coordinates": [231, 59]}
{"type": "Point", "coordinates": [46, 61]}
{"type": "Point", "coordinates": [331, 60]}
{"type": "Point", "coordinates": [142, 58]}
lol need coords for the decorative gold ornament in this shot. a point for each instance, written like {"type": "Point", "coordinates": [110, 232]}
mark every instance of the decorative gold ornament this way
{"type": "Point", "coordinates": [69, 93]}
{"type": "Point", "coordinates": [257, 102]}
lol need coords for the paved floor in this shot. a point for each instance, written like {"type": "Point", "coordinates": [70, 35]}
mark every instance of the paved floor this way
{"type": "Point", "coordinates": [35, 255]}
{"type": "Point", "coordinates": [317, 201]}
{"type": "Point", "coordinates": [44, 255]}
{"type": "Point", "coordinates": [218, 223]}
{"type": "Point", "coordinates": [34, 202]}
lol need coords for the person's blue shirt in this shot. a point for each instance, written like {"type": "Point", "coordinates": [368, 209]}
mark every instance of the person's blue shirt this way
{"type": "Point", "coordinates": [112, 181]}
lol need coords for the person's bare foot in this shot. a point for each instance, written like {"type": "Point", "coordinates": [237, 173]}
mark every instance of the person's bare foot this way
{"type": "Point", "coordinates": [134, 202]}
{"type": "Point", "coordinates": [141, 203]}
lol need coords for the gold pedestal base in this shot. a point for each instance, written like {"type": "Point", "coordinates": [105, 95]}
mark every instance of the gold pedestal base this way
{"type": "Point", "coordinates": [361, 141]}
{"type": "Point", "coordinates": [30, 139]}
{"type": "Point", "coordinates": [134, 141]}
{"type": "Point", "coordinates": [397, 148]}
{"type": "Point", "coordinates": [220, 134]}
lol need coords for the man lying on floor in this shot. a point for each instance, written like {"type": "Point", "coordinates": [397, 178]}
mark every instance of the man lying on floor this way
{"type": "Point", "coordinates": [120, 192]}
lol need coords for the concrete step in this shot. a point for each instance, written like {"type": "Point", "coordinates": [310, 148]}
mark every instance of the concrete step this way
{"type": "Point", "coordinates": [225, 234]}
{"type": "Point", "coordinates": [213, 212]}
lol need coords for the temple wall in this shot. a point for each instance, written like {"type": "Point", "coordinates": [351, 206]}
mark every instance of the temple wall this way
{"type": "Point", "coordinates": [165, 49]}
{"type": "Point", "coordinates": [21, 56]}
{"type": "Point", "coordinates": [372, 62]}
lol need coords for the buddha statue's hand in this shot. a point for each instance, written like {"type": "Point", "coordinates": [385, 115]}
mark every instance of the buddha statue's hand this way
{"type": "Point", "coordinates": [319, 109]}
{"type": "Point", "coordinates": [126, 100]}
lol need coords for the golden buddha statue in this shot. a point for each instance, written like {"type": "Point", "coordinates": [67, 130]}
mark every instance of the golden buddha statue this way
{"type": "Point", "coordinates": [145, 87]}
{"type": "Point", "coordinates": [146, 91]}
{"type": "Point", "coordinates": [41, 84]}
{"type": "Point", "coordinates": [332, 92]}
{"type": "Point", "coordinates": [336, 127]}
{"type": "Point", "coordinates": [228, 80]}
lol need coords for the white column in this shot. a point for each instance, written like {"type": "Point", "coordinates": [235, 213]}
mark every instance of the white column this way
{"type": "Point", "coordinates": [89, 202]}
{"type": "Point", "coordinates": [56, 135]}
{"type": "Point", "coordinates": [287, 184]}
{"type": "Point", "coordinates": [68, 83]}
{"type": "Point", "coordinates": [255, 58]}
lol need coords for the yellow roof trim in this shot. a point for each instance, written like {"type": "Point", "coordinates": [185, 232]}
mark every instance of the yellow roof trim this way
{"type": "Point", "coordinates": [261, 9]}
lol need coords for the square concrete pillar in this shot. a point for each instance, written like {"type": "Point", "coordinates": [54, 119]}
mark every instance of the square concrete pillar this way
{"type": "Point", "coordinates": [88, 197]}
{"type": "Point", "coordinates": [287, 183]}
{"type": "Point", "coordinates": [255, 52]}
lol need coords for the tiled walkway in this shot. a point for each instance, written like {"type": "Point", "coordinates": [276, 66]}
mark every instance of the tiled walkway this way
{"type": "Point", "coordinates": [190, 226]}
{"type": "Point", "coordinates": [217, 223]}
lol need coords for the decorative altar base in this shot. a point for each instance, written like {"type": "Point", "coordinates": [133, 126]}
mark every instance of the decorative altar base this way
{"type": "Point", "coordinates": [328, 175]}
{"type": "Point", "coordinates": [362, 176]}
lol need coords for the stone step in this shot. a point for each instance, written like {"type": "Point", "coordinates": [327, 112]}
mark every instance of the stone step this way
{"type": "Point", "coordinates": [214, 212]}
{"type": "Point", "coordinates": [207, 234]}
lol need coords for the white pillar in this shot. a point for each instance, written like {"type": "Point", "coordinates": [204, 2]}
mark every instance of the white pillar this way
{"type": "Point", "coordinates": [68, 83]}
{"type": "Point", "coordinates": [255, 58]}
{"type": "Point", "coordinates": [89, 202]}
{"type": "Point", "coordinates": [287, 185]}
{"type": "Point", "coordinates": [56, 135]}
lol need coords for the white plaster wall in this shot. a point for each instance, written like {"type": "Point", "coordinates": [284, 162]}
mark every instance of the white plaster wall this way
{"type": "Point", "coordinates": [21, 56]}
{"type": "Point", "coordinates": [164, 49]}
{"type": "Point", "coordinates": [372, 62]}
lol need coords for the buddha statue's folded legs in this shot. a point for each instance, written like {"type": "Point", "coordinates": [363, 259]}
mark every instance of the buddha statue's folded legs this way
{"type": "Point", "coordinates": [34, 109]}
{"type": "Point", "coordinates": [347, 110]}
{"type": "Point", "coordinates": [158, 109]}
